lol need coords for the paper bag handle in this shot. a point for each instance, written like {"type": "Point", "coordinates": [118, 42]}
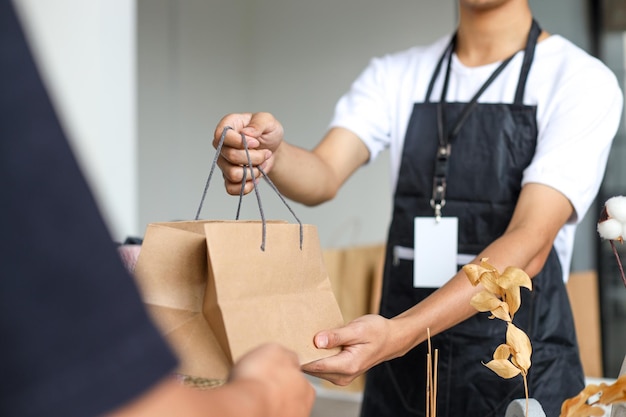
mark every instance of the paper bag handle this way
{"type": "Point", "coordinates": [243, 183]}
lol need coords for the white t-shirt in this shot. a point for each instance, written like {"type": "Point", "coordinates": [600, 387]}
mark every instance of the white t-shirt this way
{"type": "Point", "coordinates": [578, 99]}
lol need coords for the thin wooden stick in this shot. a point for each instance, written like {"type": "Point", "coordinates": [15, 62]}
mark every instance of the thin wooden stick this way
{"type": "Point", "coordinates": [428, 376]}
{"type": "Point", "coordinates": [434, 385]}
{"type": "Point", "coordinates": [428, 333]}
{"type": "Point", "coordinates": [428, 387]}
{"type": "Point", "coordinates": [431, 379]}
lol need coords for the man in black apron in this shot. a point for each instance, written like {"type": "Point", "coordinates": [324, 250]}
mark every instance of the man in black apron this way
{"type": "Point", "coordinates": [463, 161]}
{"type": "Point", "coordinates": [465, 387]}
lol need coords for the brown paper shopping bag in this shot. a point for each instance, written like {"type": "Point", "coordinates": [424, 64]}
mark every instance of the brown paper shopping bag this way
{"type": "Point", "coordinates": [280, 293]}
{"type": "Point", "coordinates": [219, 288]}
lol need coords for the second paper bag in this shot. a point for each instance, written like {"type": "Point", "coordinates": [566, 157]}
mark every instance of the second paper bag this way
{"type": "Point", "coordinates": [171, 273]}
{"type": "Point", "coordinates": [277, 291]}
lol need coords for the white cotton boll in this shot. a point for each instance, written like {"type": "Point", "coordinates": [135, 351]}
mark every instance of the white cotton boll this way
{"type": "Point", "coordinates": [616, 208]}
{"type": "Point", "coordinates": [610, 229]}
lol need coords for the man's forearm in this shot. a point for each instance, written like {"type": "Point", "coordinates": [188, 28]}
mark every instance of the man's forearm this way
{"type": "Point", "coordinates": [302, 176]}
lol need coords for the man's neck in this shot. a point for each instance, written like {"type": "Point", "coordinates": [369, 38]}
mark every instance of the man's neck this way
{"type": "Point", "coordinates": [491, 35]}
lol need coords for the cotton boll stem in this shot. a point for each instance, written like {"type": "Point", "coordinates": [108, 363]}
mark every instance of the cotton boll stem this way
{"type": "Point", "coordinates": [619, 262]}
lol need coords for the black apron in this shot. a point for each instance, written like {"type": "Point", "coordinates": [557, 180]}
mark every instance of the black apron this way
{"type": "Point", "coordinates": [491, 145]}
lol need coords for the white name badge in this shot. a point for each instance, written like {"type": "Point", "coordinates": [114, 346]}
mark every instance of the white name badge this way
{"type": "Point", "coordinates": [435, 256]}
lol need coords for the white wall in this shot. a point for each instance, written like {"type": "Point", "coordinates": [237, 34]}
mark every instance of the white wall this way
{"type": "Point", "coordinates": [86, 50]}
{"type": "Point", "coordinates": [198, 60]}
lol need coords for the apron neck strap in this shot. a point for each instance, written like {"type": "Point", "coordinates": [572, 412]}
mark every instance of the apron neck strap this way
{"type": "Point", "coordinates": [529, 54]}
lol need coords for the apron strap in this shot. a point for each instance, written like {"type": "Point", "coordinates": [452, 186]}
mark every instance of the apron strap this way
{"type": "Point", "coordinates": [438, 68]}
{"type": "Point", "coordinates": [529, 54]}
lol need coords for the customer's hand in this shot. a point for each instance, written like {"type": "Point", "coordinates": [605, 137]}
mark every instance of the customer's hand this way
{"type": "Point", "coordinates": [266, 382]}
{"type": "Point", "coordinates": [283, 386]}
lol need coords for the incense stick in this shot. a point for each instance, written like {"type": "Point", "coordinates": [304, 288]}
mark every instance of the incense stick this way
{"type": "Point", "coordinates": [431, 379]}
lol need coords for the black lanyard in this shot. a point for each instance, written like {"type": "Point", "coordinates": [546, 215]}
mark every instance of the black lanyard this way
{"type": "Point", "coordinates": [444, 137]}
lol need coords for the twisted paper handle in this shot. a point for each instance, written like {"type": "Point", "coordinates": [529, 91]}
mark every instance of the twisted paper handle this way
{"type": "Point", "coordinates": [243, 183]}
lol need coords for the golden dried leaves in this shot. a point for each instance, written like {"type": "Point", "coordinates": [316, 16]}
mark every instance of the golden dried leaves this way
{"type": "Point", "coordinates": [587, 402]}
{"type": "Point", "coordinates": [520, 346]}
{"type": "Point", "coordinates": [512, 358]}
{"type": "Point", "coordinates": [501, 364]}
{"type": "Point", "coordinates": [502, 297]}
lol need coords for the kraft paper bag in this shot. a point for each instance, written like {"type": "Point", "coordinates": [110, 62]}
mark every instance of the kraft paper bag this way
{"type": "Point", "coordinates": [277, 290]}
{"type": "Point", "coordinates": [171, 273]}
{"type": "Point", "coordinates": [217, 288]}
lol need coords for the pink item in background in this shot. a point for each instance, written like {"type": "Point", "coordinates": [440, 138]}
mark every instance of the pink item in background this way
{"type": "Point", "coordinates": [129, 255]}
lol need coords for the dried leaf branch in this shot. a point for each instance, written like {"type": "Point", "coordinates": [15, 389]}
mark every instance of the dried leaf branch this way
{"type": "Point", "coordinates": [502, 297]}
{"type": "Point", "coordinates": [589, 401]}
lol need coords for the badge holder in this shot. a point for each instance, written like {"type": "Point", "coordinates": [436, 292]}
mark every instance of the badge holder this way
{"type": "Point", "coordinates": [435, 238]}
